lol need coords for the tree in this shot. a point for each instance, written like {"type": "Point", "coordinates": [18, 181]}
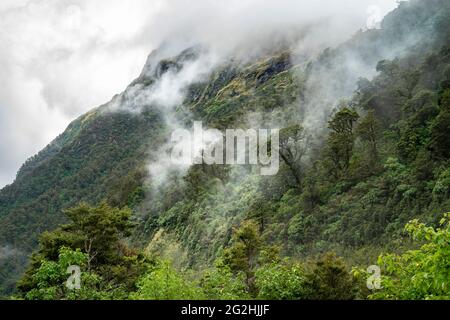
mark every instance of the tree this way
{"type": "Point", "coordinates": [221, 283]}
{"type": "Point", "coordinates": [419, 274]}
{"type": "Point", "coordinates": [52, 276]}
{"type": "Point", "coordinates": [100, 229]}
{"type": "Point", "coordinates": [96, 233]}
{"type": "Point", "coordinates": [341, 139]}
{"type": "Point", "coordinates": [163, 282]}
{"type": "Point", "coordinates": [279, 281]}
{"type": "Point", "coordinates": [260, 211]}
{"type": "Point", "coordinates": [369, 131]}
{"type": "Point", "coordinates": [293, 147]}
{"type": "Point", "coordinates": [243, 254]}
{"type": "Point", "coordinates": [439, 142]}
{"type": "Point", "coordinates": [330, 280]}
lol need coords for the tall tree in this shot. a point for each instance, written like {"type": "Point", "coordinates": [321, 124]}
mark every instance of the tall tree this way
{"type": "Point", "coordinates": [243, 254]}
{"type": "Point", "coordinates": [369, 131]}
{"type": "Point", "coordinates": [341, 139]}
{"type": "Point", "coordinates": [293, 147]}
{"type": "Point", "coordinates": [96, 233]}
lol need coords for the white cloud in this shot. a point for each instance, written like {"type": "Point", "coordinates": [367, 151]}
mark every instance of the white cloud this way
{"type": "Point", "coordinates": [60, 58]}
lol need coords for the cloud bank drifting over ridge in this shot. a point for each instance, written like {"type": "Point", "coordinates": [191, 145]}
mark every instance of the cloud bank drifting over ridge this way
{"type": "Point", "coordinates": [60, 58]}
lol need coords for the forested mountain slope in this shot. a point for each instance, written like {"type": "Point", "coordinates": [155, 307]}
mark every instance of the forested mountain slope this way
{"type": "Point", "coordinates": [369, 154]}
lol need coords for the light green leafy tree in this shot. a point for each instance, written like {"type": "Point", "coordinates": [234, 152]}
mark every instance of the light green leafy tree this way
{"type": "Point", "coordinates": [278, 281]}
{"type": "Point", "coordinates": [52, 276]}
{"type": "Point", "coordinates": [221, 284]}
{"type": "Point", "coordinates": [163, 282]}
{"type": "Point", "coordinates": [419, 274]}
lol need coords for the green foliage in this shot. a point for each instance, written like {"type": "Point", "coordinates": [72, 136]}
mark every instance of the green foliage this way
{"type": "Point", "coordinates": [221, 284]}
{"type": "Point", "coordinates": [278, 281]}
{"type": "Point", "coordinates": [51, 278]}
{"type": "Point", "coordinates": [165, 283]}
{"type": "Point", "coordinates": [419, 274]}
{"type": "Point", "coordinates": [349, 190]}
{"type": "Point", "coordinates": [99, 230]}
{"type": "Point", "coordinates": [330, 279]}
{"type": "Point", "coordinates": [86, 163]}
{"type": "Point", "coordinates": [341, 140]}
{"type": "Point", "coordinates": [441, 189]}
{"type": "Point", "coordinates": [439, 142]}
{"type": "Point", "coordinates": [92, 241]}
{"type": "Point", "coordinates": [293, 146]}
{"type": "Point", "coordinates": [369, 130]}
{"type": "Point", "coordinates": [243, 254]}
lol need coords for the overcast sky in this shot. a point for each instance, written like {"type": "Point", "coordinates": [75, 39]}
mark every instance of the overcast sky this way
{"type": "Point", "coordinates": [60, 58]}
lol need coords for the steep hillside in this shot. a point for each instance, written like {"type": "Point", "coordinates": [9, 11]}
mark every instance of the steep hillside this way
{"type": "Point", "coordinates": [354, 202]}
{"type": "Point", "coordinates": [394, 167]}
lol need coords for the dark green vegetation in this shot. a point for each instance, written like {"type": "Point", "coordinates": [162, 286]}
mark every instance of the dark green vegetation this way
{"type": "Point", "coordinates": [349, 187]}
{"type": "Point", "coordinates": [247, 269]}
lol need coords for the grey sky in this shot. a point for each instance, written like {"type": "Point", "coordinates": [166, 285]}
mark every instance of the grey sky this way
{"type": "Point", "coordinates": [60, 58]}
